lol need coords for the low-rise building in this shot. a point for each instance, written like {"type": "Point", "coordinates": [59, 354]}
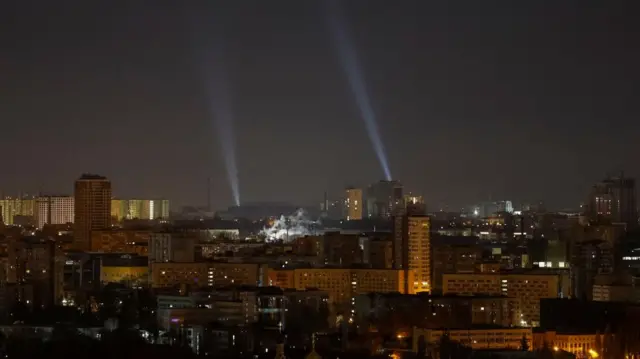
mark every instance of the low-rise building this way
{"type": "Point", "coordinates": [476, 338]}
{"type": "Point", "coordinates": [528, 287]}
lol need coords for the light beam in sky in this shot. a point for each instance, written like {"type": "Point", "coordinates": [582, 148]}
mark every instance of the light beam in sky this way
{"type": "Point", "coordinates": [349, 61]}
{"type": "Point", "coordinates": [210, 53]}
{"type": "Point", "coordinates": [223, 118]}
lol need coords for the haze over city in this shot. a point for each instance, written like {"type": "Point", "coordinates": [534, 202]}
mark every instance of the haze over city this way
{"type": "Point", "coordinates": [473, 102]}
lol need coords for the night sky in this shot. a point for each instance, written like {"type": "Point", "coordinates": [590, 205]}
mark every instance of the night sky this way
{"type": "Point", "coordinates": [474, 99]}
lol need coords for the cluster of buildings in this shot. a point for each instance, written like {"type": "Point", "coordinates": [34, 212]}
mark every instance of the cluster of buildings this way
{"type": "Point", "coordinates": [38, 211]}
{"type": "Point", "coordinates": [492, 279]}
{"type": "Point", "coordinates": [380, 200]}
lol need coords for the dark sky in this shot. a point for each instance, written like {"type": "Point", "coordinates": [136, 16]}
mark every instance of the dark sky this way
{"type": "Point", "coordinates": [521, 100]}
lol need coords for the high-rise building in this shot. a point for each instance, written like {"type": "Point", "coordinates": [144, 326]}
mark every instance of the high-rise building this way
{"type": "Point", "coordinates": [11, 207]}
{"type": "Point", "coordinates": [614, 200]}
{"type": "Point", "coordinates": [353, 204]}
{"type": "Point", "coordinates": [412, 248]}
{"type": "Point", "coordinates": [92, 208]}
{"type": "Point", "coordinates": [384, 199]}
{"type": "Point", "coordinates": [54, 210]}
{"type": "Point", "coordinates": [414, 202]}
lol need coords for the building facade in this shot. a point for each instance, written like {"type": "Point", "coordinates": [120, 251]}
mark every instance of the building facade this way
{"type": "Point", "coordinates": [528, 289]}
{"type": "Point", "coordinates": [54, 210]}
{"type": "Point", "coordinates": [412, 249]}
{"type": "Point", "coordinates": [10, 207]}
{"type": "Point", "coordinates": [614, 200]}
{"type": "Point", "coordinates": [150, 209]}
{"type": "Point", "coordinates": [354, 205]}
{"type": "Point", "coordinates": [384, 199]}
{"type": "Point", "coordinates": [92, 208]}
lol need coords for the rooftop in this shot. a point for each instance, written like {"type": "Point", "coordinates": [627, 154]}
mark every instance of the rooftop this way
{"type": "Point", "coordinates": [91, 176]}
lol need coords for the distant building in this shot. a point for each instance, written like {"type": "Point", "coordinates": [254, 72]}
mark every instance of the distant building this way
{"type": "Point", "coordinates": [409, 198]}
{"type": "Point", "coordinates": [453, 258]}
{"type": "Point", "coordinates": [354, 204]}
{"type": "Point", "coordinates": [342, 249]}
{"type": "Point", "coordinates": [120, 241]}
{"type": "Point", "coordinates": [54, 210]}
{"type": "Point", "coordinates": [381, 253]}
{"type": "Point", "coordinates": [384, 199]}
{"type": "Point", "coordinates": [614, 200]}
{"type": "Point", "coordinates": [488, 209]}
{"type": "Point", "coordinates": [588, 260]}
{"type": "Point", "coordinates": [203, 274]}
{"type": "Point", "coordinates": [414, 202]}
{"type": "Point", "coordinates": [150, 209]}
{"type": "Point", "coordinates": [477, 339]}
{"type": "Point", "coordinates": [393, 313]}
{"type": "Point", "coordinates": [616, 288]}
{"type": "Point", "coordinates": [124, 269]}
{"type": "Point", "coordinates": [92, 208]}
{"type": "Point", "coordinates": [576, 343]}
{"type": "Point", "coordinates": [342, 284]}
{"type": "Point", "coordinates": [172, 247]}
{"type": "Point", "coordinates": [10, 207]}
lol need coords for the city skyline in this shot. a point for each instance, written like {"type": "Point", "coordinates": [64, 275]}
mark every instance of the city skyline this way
{"type": "Point", "coordinates": [469, 107]}
{"type": "Point", "coordinates": [319, 179]}
{"type": "Point", "coordinates": [345, 194]}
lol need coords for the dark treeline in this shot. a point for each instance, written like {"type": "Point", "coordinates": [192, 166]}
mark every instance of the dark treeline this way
{"type": "Point", "coordinates": [66, 342]}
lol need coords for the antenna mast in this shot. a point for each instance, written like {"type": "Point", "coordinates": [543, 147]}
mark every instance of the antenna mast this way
{"type": "Point", "coordinates": [209, 194]}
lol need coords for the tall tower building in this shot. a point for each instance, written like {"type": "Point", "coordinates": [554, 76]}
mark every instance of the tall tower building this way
{"type": "Point", "coordinates": [54, 210]}
{"type": "Point", "coordinates": [92, 208]}
{"type": "Point", "coordinates": [412, 247]}
{"type": "Point", "coordinates": [353, 204]}
{"type": "Point", "coordinates": [614, 199]}
{"type": "Point", "coordinates": [384, 199]}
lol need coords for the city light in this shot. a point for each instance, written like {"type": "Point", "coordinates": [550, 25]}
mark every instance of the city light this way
{"type": "Point", "coordinates": [349, 61]}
